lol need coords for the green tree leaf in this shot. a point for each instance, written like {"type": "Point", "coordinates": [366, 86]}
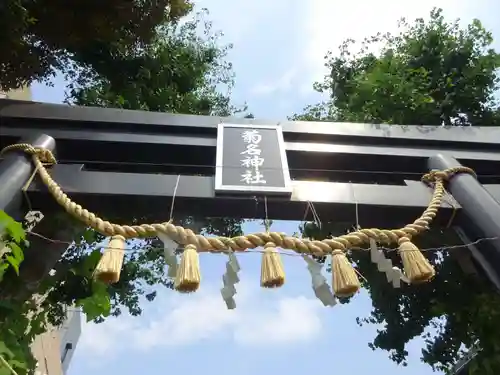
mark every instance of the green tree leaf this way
{"type": "Point", "coordinates": [14, 262]}
{"type": "Point", "coordinates": [38, 49]}
{"type": "Point", "coordinates": [178, 72]}
{"type": "Point", "coordinates": [90, 235]}
{"type": "Point", "coordinates": [432, 72]}
{"type": "Point", "coordinates": [13, 228]}
{"type": "Point", "coordinates": [99, 304]}
{"type": "Point", "coordinates": [16, 251]}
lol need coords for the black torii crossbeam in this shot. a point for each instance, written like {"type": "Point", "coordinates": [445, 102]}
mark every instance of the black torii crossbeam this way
{"type": "Point", "coordinates": [120, 162]}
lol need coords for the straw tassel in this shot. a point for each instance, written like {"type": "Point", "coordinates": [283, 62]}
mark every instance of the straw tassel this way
{"type": "Point", "coordinates": [272, 274]}
{"type": "Point", "coordinates": [345, 280]}
{"type": "Point", "coordinates": [110, 265]}
{"type": "Point", "coordinates": [188, 277]}
{"type": "Point", "coordinates": [417, 268]}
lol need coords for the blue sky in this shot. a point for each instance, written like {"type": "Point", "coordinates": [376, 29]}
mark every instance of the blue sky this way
{"type": "Point", "coordinates": [278, 53]}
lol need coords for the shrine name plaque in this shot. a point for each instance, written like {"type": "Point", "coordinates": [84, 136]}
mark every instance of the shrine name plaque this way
{"type": "Point", "coordinates": [251, 159]}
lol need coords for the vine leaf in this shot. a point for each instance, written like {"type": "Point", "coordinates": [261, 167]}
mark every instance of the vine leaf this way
{"type": "Point", "coordinates": [12, 227]}
{"type": "Point", "coordinates": [5, 350]}
{"type": "Point", "coordinates": [90, 236]}
{"type": "Point", "coordinates": [3, 268]}
{"type": "Point", "coordinates": [98, 304]}
{"type": "Point", "coordinates": [90, 263]}
{"type": "Point", "coordinates": [4, 249]}
{"type": "Point", "coordinates": [17, 364]}
{"type": "Point", "coordinates": [16, 256]}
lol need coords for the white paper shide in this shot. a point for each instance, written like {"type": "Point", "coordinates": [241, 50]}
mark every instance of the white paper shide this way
{"type": "Point", "coordinates": [320, 286]}
{"type": "Point", "coordinates": [229, 279]}
{"type": "Point", "coordinates": [394, 274]}
{"type": "Point", "coordinates": [169, 247]}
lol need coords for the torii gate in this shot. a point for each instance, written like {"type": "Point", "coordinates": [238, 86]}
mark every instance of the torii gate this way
{"type": "Point", "coordinates": [130, 164]}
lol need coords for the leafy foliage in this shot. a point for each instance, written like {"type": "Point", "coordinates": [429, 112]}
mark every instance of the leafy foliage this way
{"type": "Point", "coordinates": [21, 321]}
{"type": "Point", "coordinates": [11, 253]}
{"type": "Point", "coordinates": [143, 272]}
{"type": "Point", "coordinates": [454, 313]}
{"type": "Point", "coordinates": [72, 285]}
{"type": "Point", "coordinates": [123, 55]}
{"type": "Point", "coordinates": [431, 73]}
{"type": "Point", "coordinates": [179, 71]}
{"type": "Point", "coordinates": [15, 329]}
{"type": "Point", "coordinates": [46, 35]}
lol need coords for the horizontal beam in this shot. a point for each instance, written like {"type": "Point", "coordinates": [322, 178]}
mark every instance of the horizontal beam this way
{"type": "Point", "coordinates": [10, 134]}
{"type": "Point", "coordinates": [92, 118]}
{"type": "Point", "coordinates": [121, 151]}
{"type": "Point", "coordinates": [106, 137]}
{"type": "Point", "coordinates": [130, 195]}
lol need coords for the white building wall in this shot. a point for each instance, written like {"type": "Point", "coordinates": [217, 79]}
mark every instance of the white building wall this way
{"type": "Point", "coordinates": [54, 349]}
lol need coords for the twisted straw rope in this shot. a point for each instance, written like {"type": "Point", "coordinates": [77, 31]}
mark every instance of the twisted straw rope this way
{"type": "Point", "coordinates": [240, 243]}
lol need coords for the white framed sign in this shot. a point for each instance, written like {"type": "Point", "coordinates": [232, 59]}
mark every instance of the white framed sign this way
{"type": "Point", "coordinates": [251, 159]}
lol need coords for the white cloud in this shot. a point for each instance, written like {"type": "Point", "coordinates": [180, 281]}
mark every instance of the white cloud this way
{"type": "Point", "coordinates": [238, 20]}
{"type": "Point", "coordinates": [281, 84]}
{"type": "Point", "coordinates": [292, 320]}
{"type": "Point", "coordinates": [329, 22]}
{"type": "Point", "coordinates": [188, 319]}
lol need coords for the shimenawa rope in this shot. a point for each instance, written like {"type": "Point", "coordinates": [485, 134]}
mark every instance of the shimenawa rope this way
{"type": "Point", "coordinates": [416, 267]}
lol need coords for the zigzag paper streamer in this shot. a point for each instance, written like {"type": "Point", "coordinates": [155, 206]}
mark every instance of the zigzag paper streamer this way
{"type": "Point", "coordinates": [320, 286]}
{"type": "Point", "coordinates": [393, 274]}
{"type": "Point", "coordinates": [229, 279]}
{"type": "Point", "coordinates": [169, 247]}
